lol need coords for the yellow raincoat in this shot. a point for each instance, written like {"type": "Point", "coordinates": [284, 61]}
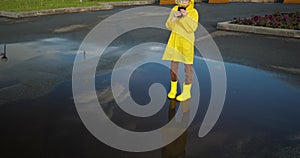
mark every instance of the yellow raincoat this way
{"type": "Point", "coordinates": [180, 47]}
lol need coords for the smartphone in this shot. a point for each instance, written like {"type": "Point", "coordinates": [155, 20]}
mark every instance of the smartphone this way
{"type": "Point", "coordinates": [181, 8]}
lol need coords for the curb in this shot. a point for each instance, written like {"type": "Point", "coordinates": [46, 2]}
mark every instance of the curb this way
{"type": "Point", "coordinates": [53, 11]}
{"type": "Point", "coordinates": [258, 30]}
{"type": "Point", "coordinates": [104, 6]}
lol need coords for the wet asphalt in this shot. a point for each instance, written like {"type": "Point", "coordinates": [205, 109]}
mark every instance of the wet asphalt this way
{"type": "Point", "coordinates": [39, 119]}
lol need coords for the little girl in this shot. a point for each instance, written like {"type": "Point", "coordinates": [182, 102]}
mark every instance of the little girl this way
{"type": "Point", "coordinates": [183, 22]}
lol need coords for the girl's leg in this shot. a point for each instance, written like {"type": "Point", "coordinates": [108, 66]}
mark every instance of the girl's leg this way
{"type": "Point", "coordinates": [186, 90]}
{"type": "Point", "coordinates": [174, 78]}
{"type": "Point", "coordinates": [174, 70]}
{"type": "Point", "coordinates": [188, 73]}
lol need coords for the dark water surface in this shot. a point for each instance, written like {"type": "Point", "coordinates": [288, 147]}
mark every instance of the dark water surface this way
{"type": "Point", "coordinates": [38, 117]}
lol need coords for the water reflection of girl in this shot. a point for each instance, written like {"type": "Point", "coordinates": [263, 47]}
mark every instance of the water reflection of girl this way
{"type": "Point", "coordinates": [176, 149]}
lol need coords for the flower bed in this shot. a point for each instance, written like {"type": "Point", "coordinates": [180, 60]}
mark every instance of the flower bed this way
{"type": "Point", "coordinates": [277, 20]}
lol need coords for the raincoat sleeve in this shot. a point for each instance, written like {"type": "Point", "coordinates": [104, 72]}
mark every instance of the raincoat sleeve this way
{"type": "Point", "coordinates": [170, 24]}
{"type": "Point", "coordinates": [190, 22]}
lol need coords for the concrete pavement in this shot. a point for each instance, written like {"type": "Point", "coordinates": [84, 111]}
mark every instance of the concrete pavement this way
{"type": "Point", "coordinates": [267, 52]}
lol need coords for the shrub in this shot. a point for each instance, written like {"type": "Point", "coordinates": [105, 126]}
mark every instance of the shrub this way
{"type": "Point", "coordinates": [276, 20]}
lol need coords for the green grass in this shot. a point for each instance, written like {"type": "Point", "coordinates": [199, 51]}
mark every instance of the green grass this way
{"type": "Point", "coordinates": [34, 5]}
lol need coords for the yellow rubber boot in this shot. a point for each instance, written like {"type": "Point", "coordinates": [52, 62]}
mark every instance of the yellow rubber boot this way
{"type": "Point", "coordinates": [186, 93]}
{"type": "Point", "coordinates": [173, 91]}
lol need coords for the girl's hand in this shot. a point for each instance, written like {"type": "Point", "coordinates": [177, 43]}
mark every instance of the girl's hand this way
{"type": "Point", "coordinates": [176, 14]}
{"type": "Point", "coordinates": [183, 12]}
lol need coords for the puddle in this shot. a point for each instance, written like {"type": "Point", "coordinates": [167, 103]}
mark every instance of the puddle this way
{"type": "Point", "coordinates": [35, 68]}
{"type": "Point", "coordinates": [259, 118]}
